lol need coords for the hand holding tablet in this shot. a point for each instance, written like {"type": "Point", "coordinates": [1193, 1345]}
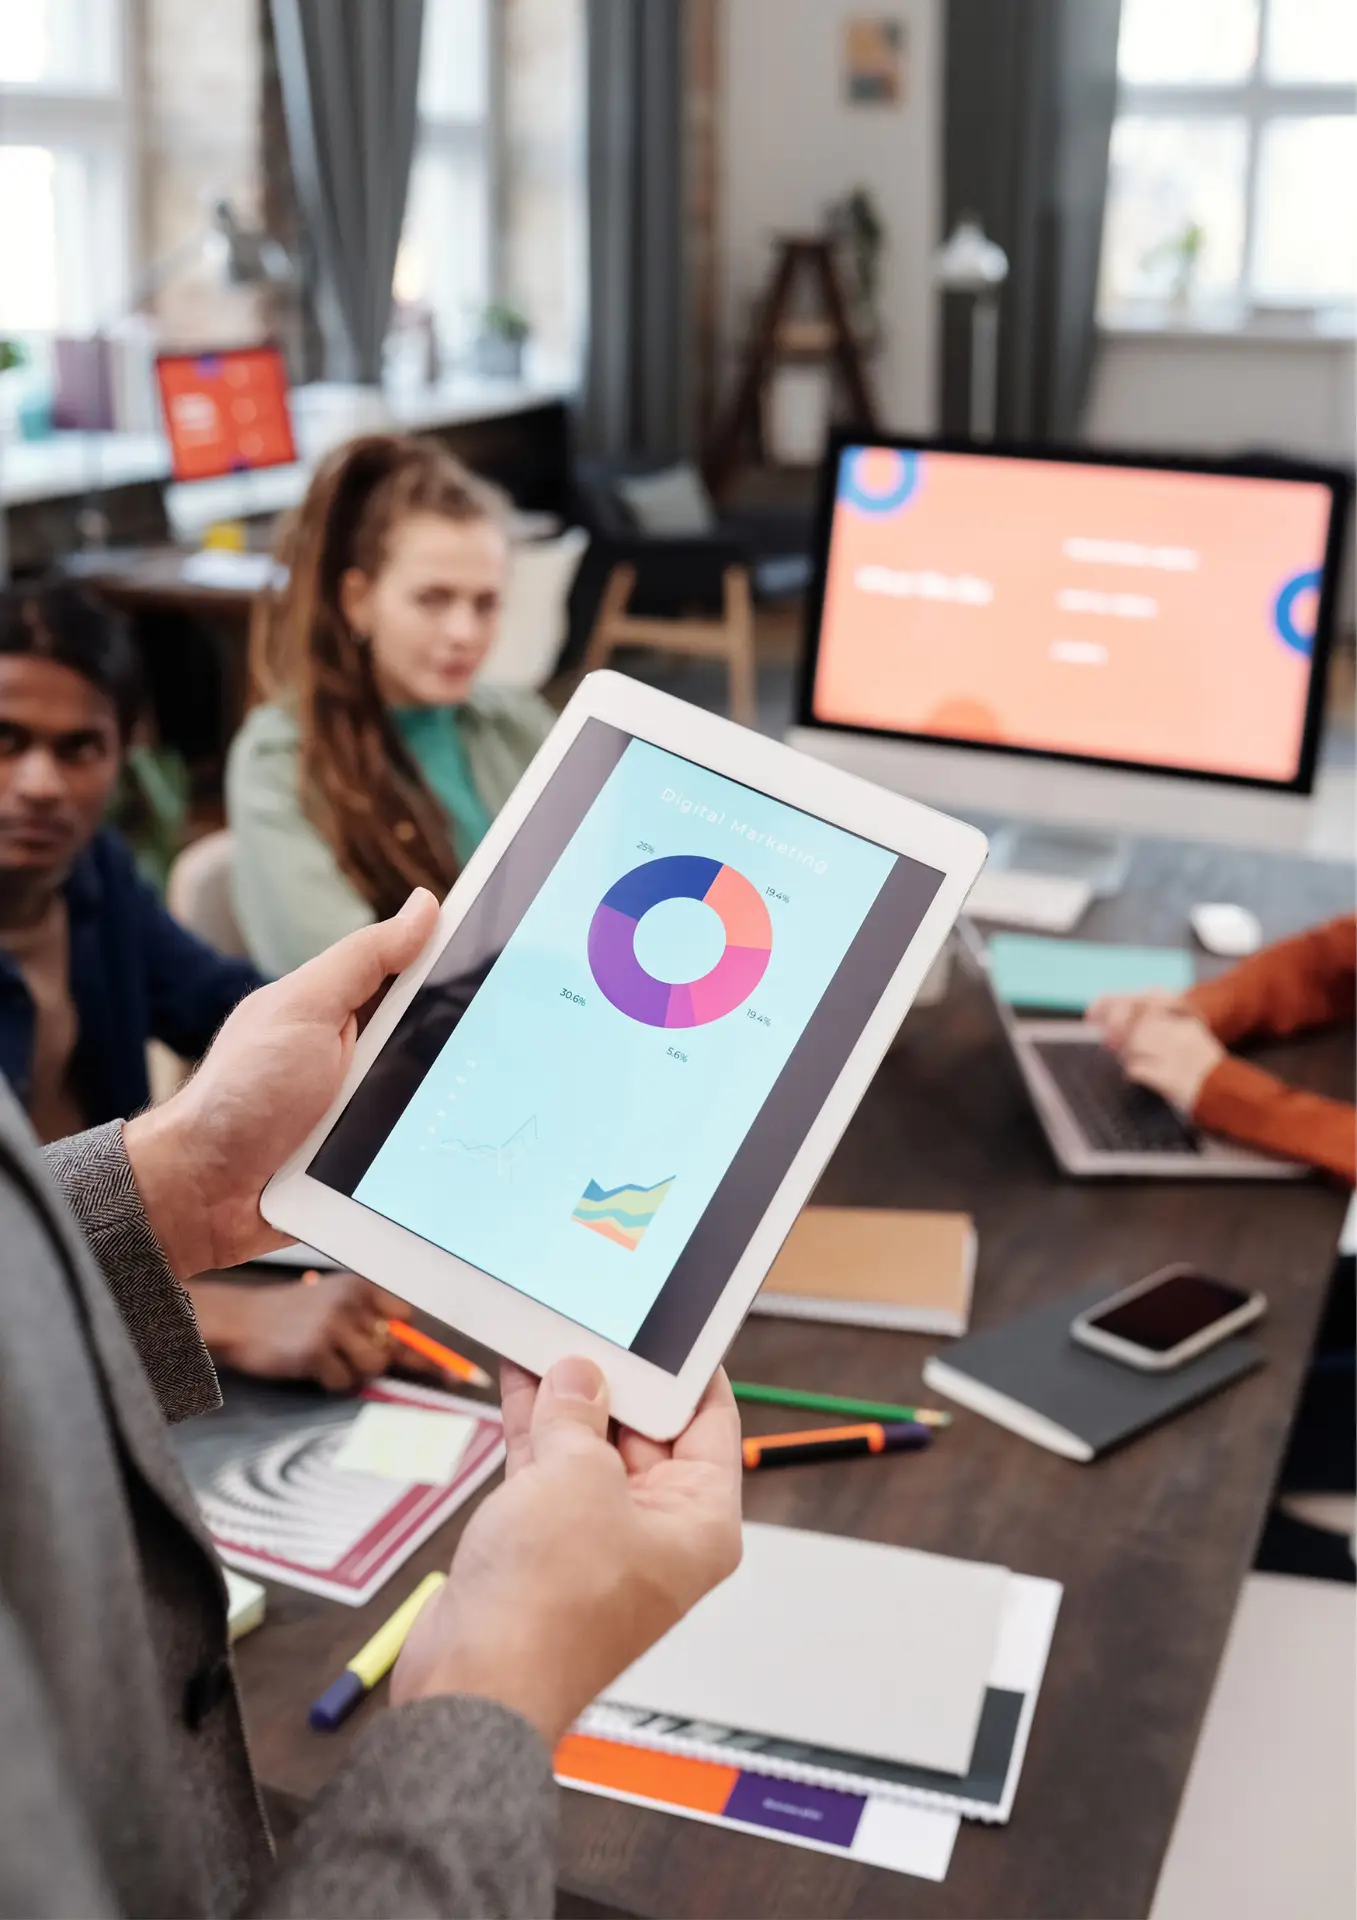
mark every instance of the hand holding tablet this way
{"type": "Point", "coordinates": [585, 1117]}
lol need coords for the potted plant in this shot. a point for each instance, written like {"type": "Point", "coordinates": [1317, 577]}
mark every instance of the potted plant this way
{"type": "Point", "coordinates": [498, 351]}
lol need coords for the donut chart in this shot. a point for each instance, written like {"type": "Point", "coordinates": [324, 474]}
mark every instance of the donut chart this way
{"type": "Point", "coordinates": [693, 1003]}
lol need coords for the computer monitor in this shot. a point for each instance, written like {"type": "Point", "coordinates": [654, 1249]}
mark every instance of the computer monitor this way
{"type": "Point", "coordinates": [1091, 639]}
{"type": "Point", "coordinates": [225, 412]}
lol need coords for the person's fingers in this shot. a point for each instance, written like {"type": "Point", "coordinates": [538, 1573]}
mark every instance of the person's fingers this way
{"type": "Point", "coordinates": [331, 988]}
{"type": "Point", "coordinates": [334, 1372]}
{"type": "Point", "coordinates": [386, 1305]}
{"type": "Point", "coordinates": [362, 1343]}
{"type": "Point", "coordinates": [1146, 1066]}
{"type": "Point", "coordinates": [517, 1395]}
{"type": "Point", "coordinates": [639, 1455]}
{"type": "Point", "coordinates": [1114, 1016]}
{"type": "Point", "coordinates": [713, 1434]}
{"type": "Point", "coordinates": [570, 1414]}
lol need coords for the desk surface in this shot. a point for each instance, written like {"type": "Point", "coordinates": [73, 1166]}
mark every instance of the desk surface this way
{"type": "Point", "coordinates": [1152, 1544]}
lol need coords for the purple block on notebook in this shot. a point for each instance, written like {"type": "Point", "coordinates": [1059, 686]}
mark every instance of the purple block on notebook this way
{"type": "Point", "coordinates": [817, 1813]}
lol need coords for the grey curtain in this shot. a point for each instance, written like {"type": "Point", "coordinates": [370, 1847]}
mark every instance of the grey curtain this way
{"type": "Point", "coordinates": [1031, 89]}
{"type": "Point", "coordinates": [636, 380]}
{"type": "Point", "coordinates": [349, 71]}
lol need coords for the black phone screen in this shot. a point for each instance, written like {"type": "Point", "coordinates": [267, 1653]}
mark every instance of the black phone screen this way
{"type": "Point", "coordinates": [1161, 1318]}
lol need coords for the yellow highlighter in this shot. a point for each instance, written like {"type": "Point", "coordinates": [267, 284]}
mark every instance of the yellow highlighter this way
{"type": "Point", "coordinates": [372, 1662]}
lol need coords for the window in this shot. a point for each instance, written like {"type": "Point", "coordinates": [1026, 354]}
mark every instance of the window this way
{"type": "Point", "coordinates": [446, 253]}
{"type": "Point", "coordinates": [1233, 156]}
{"type": "Point", "coordinates": [65, 127]}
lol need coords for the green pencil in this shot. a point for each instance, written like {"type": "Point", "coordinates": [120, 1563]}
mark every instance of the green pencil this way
{"type": "Point", "coordinates": [835, 1403]}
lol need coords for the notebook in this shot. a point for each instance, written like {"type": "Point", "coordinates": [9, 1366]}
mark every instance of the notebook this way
{"type": "Point", "coordinates": [245, 1604]}
{"type": "Point", "coordinates": [865, 1267]}
{"type": "Point", "coordinates": [265, 1470]}
{"type": "Point", "coordinates": [1032, 1377]}
{"type": "Point", "coordinates": [1066, 976]}
{"type": "Point", "coordinates": [865, 1828]}
{"type": "Point", "coordinates": [843, 1644]}
{"type": "Point", "coordinates": [984, 1792]}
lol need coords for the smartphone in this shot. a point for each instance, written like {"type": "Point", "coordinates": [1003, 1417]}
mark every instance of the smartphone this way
{"type": "Point", "coordinates": [1168, 1319]}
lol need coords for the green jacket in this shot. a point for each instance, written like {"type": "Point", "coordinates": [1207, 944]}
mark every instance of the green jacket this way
{"type": "Point", "coordinates": [291, 898]}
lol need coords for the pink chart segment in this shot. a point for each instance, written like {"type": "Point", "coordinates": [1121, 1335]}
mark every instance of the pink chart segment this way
{"type": "Point", "coordinates": [694, 1003]}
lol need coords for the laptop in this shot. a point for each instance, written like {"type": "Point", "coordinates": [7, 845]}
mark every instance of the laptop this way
{"type": "Point", "coordinates": [1100, 1124]}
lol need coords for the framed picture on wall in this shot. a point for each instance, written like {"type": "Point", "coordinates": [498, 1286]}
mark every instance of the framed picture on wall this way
{"type": "Point", "coordinates": [874, 61]}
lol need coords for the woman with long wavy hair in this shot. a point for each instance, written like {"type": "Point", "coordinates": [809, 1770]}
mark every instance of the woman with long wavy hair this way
{"type": "Point", "coordinates": [374, 762]}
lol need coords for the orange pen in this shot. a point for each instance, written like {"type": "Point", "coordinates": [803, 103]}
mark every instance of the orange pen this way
{"type": "Point", "coordinates": [422, 1343]}
{"type": "Point", "coordinates": [454, 1363]}
{"type": "Point", "coordinates": [834, 1443]}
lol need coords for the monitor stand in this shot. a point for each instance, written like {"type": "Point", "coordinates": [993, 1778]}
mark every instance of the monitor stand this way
{"type": "Point", "coordinates": [1103, 860]}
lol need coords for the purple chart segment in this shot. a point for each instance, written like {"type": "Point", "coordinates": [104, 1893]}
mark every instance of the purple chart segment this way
{"type": "Point", "coordinates": [694, 1003]}
{"type": "Point", "coordinates": [620, 975]}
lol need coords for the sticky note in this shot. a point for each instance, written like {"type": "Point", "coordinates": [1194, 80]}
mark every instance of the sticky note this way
{"type": "Point", "coordinates": [1065, 976]}
{"type": "Point", "coordinates": [414, 1444]}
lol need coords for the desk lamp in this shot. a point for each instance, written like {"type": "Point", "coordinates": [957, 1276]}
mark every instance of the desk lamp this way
{"type": "Point", "coordinates": [969, 263]}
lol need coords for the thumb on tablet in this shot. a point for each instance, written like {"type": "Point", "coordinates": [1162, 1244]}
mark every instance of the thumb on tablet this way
{"type": "Point", "coordinates": [571, 1411]}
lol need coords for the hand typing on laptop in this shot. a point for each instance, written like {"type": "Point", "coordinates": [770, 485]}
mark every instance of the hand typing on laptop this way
{"type": "Point", "coordinates": [1161, 1043]}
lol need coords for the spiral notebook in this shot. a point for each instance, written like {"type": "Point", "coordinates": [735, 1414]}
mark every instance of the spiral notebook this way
{"type": "Point", "coordinates": [984, 1792]}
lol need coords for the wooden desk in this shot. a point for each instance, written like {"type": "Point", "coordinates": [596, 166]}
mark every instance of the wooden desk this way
{"type": "Point", "coordinates": [1152, 1544]}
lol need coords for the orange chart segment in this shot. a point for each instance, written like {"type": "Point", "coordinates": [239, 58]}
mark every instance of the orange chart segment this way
{"type": "Point", "coordinates": [743, 913]}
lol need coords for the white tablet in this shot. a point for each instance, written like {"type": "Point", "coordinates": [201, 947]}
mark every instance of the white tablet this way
{"type": "Point", "coordinates": [585, 1119]}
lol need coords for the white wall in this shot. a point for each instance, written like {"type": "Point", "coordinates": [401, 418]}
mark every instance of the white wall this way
{"type": "Point", "coordinates": [1218, 394]}
{"type": "Point", "coordinates": [791, 143]}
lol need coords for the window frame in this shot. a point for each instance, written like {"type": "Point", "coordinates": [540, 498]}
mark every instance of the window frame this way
{"type": "Point", "coordinates": [99, 125]}
{"type": "Point", "coordinates": [447, 136]}
{"type": "Point", "coordinates": [1257, 101]}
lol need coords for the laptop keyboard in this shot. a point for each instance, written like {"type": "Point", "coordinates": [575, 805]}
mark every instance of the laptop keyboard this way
{"type": "Point", "coordinates": [1116, 1115]}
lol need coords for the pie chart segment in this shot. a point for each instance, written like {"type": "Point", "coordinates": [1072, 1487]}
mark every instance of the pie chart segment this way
{"type": "Point", "coordinates": [659, 1003]}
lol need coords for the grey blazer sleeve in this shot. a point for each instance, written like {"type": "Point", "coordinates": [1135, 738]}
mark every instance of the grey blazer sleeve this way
{"type": "Point", "coordinates": [95, 1177]}
{"type": "Point", "coordinates": [447, 1808]}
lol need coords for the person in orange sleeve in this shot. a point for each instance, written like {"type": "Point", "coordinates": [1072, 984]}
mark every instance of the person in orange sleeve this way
{"type": "Point", "coordinates": [1177, 1045]}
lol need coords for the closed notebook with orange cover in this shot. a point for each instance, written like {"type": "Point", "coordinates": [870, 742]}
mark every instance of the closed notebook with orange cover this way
{"type": "Point", "coordinates": [867, 1267]}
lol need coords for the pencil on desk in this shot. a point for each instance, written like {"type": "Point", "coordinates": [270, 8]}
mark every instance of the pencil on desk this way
{"type": "Point", "coordinates": [752, 1392]}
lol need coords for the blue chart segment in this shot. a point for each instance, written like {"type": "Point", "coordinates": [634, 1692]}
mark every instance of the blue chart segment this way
{"type": "Point", "coordinates": [693, 1003]}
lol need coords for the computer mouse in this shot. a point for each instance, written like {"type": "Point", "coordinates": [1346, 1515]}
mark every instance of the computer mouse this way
{"type": "Point", "coordinates": [1228, 931]}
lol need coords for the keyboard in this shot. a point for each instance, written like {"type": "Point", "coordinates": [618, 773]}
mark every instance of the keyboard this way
{"type": "Point", "coordinates": [1116, 1116]}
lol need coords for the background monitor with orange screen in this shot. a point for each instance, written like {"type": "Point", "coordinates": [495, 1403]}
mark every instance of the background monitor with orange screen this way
{"type": "Point", "coordinates": [226, 412]}
{"type": "Point", "coordinates": [1146, 615]}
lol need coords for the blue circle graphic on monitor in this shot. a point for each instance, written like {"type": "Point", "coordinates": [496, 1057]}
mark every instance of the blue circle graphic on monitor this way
{"type": "Point", "coordinates": [879, 480]}
{"type": "Point", "coordinates": [1298, 633]}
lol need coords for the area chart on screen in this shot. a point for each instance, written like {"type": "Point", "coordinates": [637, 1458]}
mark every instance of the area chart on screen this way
{"type": "Point", "coordinates": [663, 1003]}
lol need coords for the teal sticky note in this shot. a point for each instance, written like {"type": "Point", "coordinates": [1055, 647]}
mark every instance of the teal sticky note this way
{"type": "Point", "coordinates": [1064, 976]}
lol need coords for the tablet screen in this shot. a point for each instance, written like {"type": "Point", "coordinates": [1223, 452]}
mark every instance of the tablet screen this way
{"type": "Point", "coordinates": [604, 1077]}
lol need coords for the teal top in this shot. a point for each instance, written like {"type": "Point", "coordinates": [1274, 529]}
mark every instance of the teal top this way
{"type": "Point", "coordinates": [290, 895]}
{"type": "Point", "coordinates": [433, 737]}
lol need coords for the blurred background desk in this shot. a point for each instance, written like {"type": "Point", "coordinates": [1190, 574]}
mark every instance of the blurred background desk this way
{"type": "Point", "coordinates": [515, 433]}
{"type": "Point", "coordinates": [1152, 1544]}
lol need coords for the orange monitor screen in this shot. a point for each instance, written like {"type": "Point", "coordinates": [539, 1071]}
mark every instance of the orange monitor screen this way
{"type": "Point", "coordinates": [1142, 616]}
{"type": "Point", "coordinates": [226, 412]}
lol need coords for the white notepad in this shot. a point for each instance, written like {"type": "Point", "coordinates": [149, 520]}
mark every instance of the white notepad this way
{"type": "Point", "coordinates": [985, 1793]}
{"type": "Point", "coordinates": [839, 1643]}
